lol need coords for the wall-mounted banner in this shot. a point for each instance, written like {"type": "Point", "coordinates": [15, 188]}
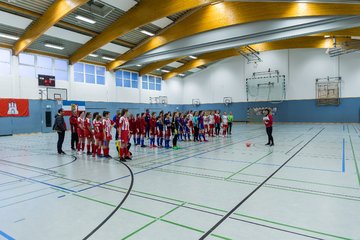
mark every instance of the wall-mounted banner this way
{"type": "Point", "coordinates": [10, 107]}
{"type": "Point", "coordinates": [70, 106]}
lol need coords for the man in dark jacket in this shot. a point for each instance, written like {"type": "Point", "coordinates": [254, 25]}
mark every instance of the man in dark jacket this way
{"type": "Point", "coordinates": [60, 127]}
{"type": "Point", "coordinates": [147, 120]}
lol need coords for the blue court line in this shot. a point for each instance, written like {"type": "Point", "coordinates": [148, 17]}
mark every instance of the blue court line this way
{"type": "Point", "coordinates": [162, 165]}
{"type": "Point", "coordinates": [37, 181]}
{"type": "Point", "coordinates": [343, 156]}
{"type": "Point", "coordinates": [273, 165]}
{"type": "Point", "coordinates": [6, 236]}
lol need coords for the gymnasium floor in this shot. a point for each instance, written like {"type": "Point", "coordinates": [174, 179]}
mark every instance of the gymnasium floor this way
{"type": "Point", "coordinates": [180, 195]}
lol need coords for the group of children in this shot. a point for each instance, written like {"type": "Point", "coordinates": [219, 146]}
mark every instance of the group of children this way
{"type": "Point", "coordinates": [159, 128]}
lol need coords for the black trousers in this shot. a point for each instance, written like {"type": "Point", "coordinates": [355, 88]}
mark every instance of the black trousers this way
{"type": "Point", "coordinates": [117, 135]}
{"type": "Point", "coordinates": [196, 133]}
{"type": "Point", "coordinates": [147, 133]}
{"type": "Point", "coordinates": [269, 133]}
{"type": "Point", "coordinates": [61, 136]}
{"type": "Point", "coordinates": [74, 140]}
{"type": "Point", "coordinates": [229, 128]}
{"type": "Point", "coordinates": [175, 140]}
{"type": "Point", "coordinates": [217, 128]}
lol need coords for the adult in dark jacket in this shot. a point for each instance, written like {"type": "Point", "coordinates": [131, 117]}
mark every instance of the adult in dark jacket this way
{"type": "Point", "coordinates": [147, 120]}
{"type": "Point", "coordinates": [60, 128]}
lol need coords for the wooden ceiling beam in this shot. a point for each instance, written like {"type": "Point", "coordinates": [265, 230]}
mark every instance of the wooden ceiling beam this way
{"type": "Point", "coordinates": [144, 12]}
{"type": "Point", "coordinates": [155, 65]}
{"type": "Point", "coordinates": [53, 14]}
{"type": "Point", "coordinates": [300, 42]}
{"type": "Point", "coordinates": [232, 13]}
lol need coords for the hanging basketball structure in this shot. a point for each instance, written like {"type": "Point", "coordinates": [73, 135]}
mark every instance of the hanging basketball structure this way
{"type": "Point", "coordinates": [267, 86]}
{"type": "Point", "coordinates": [328, 91]}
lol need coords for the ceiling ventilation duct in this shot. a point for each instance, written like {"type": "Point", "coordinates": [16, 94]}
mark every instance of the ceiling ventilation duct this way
{"type": "Point", "coordinates": [97, 8]}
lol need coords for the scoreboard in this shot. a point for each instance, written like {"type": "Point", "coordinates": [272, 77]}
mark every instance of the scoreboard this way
{"type": "Point", "coordinates": [46, 80]}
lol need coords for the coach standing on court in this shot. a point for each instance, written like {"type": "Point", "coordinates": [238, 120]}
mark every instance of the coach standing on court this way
{"type": "Point", "coordinates": [60, 127]}
{"type": "Point", "coordinates": [268, 121]}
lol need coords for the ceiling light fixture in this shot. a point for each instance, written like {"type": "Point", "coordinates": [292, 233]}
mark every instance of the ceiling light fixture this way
{"type": "Point", "coordinates": [93, 55]}
{"type": "Point", "coordinates": [327, 36]}
{"type": "Point", "coordinates": [181, 75]}
{"type": "Point", "coordinates": [50, 45]}
{"type": "Point", "coordinates": [85, 19]}
{"type": "Point", "coordinates": [108, 58]}
{"type": "Point", "coordinates": [193, 57]}
{"type": "Point", "coordinates": [139, 65]}
{"type": "Point", "coordinates": [165, 71]}
{"type": "Point", "coordinates": [8, 36]}
{"type": "Point", "coordinates": [147, 33]}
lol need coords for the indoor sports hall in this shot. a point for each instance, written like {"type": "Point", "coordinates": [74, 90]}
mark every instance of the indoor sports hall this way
{"type": "Point", "coordinates": [179, 120]}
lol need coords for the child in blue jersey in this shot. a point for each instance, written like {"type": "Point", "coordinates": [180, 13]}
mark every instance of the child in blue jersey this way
{"type": "Point", "coordinates": [201, 126]}
{"type": "Point", "coordinates": [160, 131]}
{"type": "Point", "coordinates": [167, 125]}
{"type": "Point", "coordinates": [196, 126]}
{"type": "Point", "coordinates": [175, 129]}
{"type": "Point", "coordinates": [187, 128]}
{"type": "Point", "coordinates": [181, 127]}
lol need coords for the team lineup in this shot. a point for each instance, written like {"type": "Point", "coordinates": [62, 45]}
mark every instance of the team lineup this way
{"type": "Point", "coordinates": [94, 130]}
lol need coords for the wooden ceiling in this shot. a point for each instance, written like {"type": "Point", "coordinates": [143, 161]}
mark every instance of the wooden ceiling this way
{"type": "Point", "coordinates": [202, 16]}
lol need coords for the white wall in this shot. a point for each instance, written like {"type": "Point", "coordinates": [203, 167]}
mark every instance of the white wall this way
{"type": "Point", "coordinates": [300, 66]}
{"type": "Point", "coordinates": [15, 86]}
{"type": "Point", "coordinates": [223, 79]}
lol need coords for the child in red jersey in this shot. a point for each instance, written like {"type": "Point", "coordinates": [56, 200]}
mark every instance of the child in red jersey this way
{"type": "Point", "coordinates": [80, 131]}
{"type": "Point", "coordinates": [152, 123]}
{"type": "Point", "coordinates": [142, 129]}
{"type": "Point", "coordinates": [132, 122]}
{"type": "Point", "coordinates": [206, 123]}
{"type": "Point", "coordinates": [224, 122]}
{"type": "Point", "coordinates": [99, 135]}
{"type": "Point", "coordinates": [211, 124]}
{"type": "Point", "coordinates": [108, 125]}
{"type": "Point", "coordinates": [137, 124]}
{"type": "Point", "coordinates": [88, 133]}
{"type": "Point", "coordinates": [124, 133]}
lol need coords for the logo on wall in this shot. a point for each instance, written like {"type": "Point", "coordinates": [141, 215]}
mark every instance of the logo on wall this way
{"type": "Point", "coordinates": [10, 107]}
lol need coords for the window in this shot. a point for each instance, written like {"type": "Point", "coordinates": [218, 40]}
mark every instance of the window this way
{"type": "Point", "coordinates": [100, 75]}
{"type": "Point", "coordinates": [145, 82]}
{"type": "Point", "coordinates": [44, 65]}
{"type": "Point", "coordinates": [158, 84]}
{"type": "Point", "coordinates": [61, 69]}
{"type": "Point", "coordinates": [151, 83]}
{"type": "Point", "coordinates": [5, 61]}
{"type": "Point", "coordinates": [26, 65]}
{"type": "Point", "coordinates": [33, 65]}
{"type": "Point", "coordinates": [119, 78]}
{"type": "Point", "coordinates": [79, 72]}
{"type": "Point", "coordinates": [126, 79]}
{"type": "Point", "coordinates": [89, 73]}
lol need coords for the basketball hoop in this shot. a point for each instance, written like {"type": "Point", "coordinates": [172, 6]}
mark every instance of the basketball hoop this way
{"type": "Point", "coordinates": [59, 101]}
